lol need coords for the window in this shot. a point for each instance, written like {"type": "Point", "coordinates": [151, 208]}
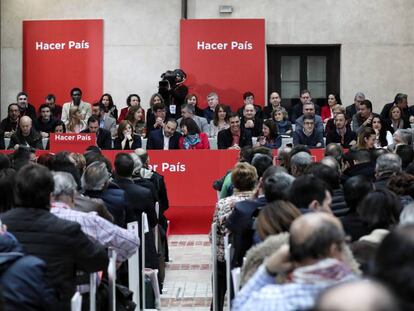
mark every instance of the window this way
{"type": "Point", "coordinates": [295, 68]}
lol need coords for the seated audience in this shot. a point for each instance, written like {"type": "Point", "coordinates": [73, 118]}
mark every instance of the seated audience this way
{"type": "Point", "coordinates": [105, 120]}
{"type": "Point", "coordinates": [330, 125]}
{"type": "Point", "coordinates": [26, 135]}
{"type": "Point", "coordinates": [402, 184]}
{"type": "Point", "coordinates": [60, 243]}
{"type": "Point", "coordinates": [192, 99]}
{"type": "Point", "coordinates": [358, 162]}
{"type": "Point", "coordinates": [26, 109]}
{"type": "Point", "coordinates": [309, 135]}
{"type": "Point", "coordinates": [155, 99]}
{"type": "Point", "coordinates": [136, 116]}
{"type": "Point", "coordinates": [270, 137]}
{"type": "Point", "coordinates": [84, 107]}
{"type": "Point", "coordinates": [126, 138]}
{"type": "Point", "coordinates": [235, 137]}
{"type": "Point", "coordinates": [56, 109]}
{"type": "Point", "coordinates": [299, 162]}
{"type": "Point", "coordinates": [342, 133]}
{"type": "Point", "coordinates": [400, 101]}
{"type": "Point", "coordinates": [383, 136]}
{"type": "Point", "coordinates": [250, 122]}
{"type": "Point", "coordinates": [192, 137]}
{"type": "Point", "coordinates": [103, 137]}
{"type": "Point", "coordinates": [406, 153]}
{"type": "Point", "coordinates": [131, 101]}
{"type": "Point", "coordinates": [396, 120]}
{"type": "Point", "coordinates": [10, 124]}
{"type": "Point", "coordinates": [309, 110]}
{"type": "Point", "coordinates": [248, 98]}
{"type": "Point", "coordinates": [220, 121]}
{"type": "Point", "coordinates": [280, 116]}
{"type": "Point", "coordinates": [351, 110]}
{"type": "Point", "coordinates": [244, 178]}
{"type": "Point", "coordinates": [401, 137]}
{"type": "Point", "coordinates": [109, 106]}
{"type": "Point", "coordinates": [212, 102]}
{"type": "Point", "coordinates": [59, 127]}
{"type": "Point", "coordinates": [165, 138]}
{"type": "Point", "coordinates": [75, 123]}
{"type": "Point", "coordinates": [366, 139]}
{"type": "Point", "coordinates": [297, 110]}
{"type": "Point", "coordinates": [386, 166]}
{"type": "Point", "coordinates": [157, 122]}
{"type": "Point", "coordinates": [327, 110]}
{"type": "Point", "coordinates": [315, 249]}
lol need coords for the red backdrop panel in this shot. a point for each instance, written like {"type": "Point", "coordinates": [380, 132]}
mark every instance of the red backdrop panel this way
{"type": "Point", "coordinates": [61, 54]}
{"type": "Point", "coordinates": [226, 56]}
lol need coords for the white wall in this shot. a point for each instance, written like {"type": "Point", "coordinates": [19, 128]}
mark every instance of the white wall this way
{"type": "Point", "coordinates": [141, 39]}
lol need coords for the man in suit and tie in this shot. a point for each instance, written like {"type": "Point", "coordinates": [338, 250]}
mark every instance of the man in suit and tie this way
{"type": "Point", "coordinates": [103, 137]}
{"type": "Point", "coordinates": [105, 120]}
{"type": "Point", "coordinates": [165, 138]}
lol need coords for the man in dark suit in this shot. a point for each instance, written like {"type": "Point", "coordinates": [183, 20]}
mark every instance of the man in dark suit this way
{"type": "Point", "coordinates": [351, 110]}
{"type": "Point", "coordinates": [234, 137]}
{"type": "Point", "coordinates": [164, 139]}
{"type": "Point", "coordinates": [103, 137]}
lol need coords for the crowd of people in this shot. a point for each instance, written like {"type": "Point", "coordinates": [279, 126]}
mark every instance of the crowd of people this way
{"type": "Point", "coordinates": [300, 228]}
{"type": "Point", "coordinates": [303, 233]}
{"type": "Point", "coordinates": [61, 213]}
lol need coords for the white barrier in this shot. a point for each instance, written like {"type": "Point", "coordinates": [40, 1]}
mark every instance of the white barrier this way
{"type": "Point", "coordinates": [227, 256]}
{"type": "Point", "coordinates": [144, 229]}
{"type": "Point", "coordinates": [92, 291]}
{"type": "Point", "coordinates": [133, 268]}
{"type": "Point", "coordinates": [112, 279]}
{"type": "Point", "coordinates": [76, 302]}
{"type": "Point", "coordinates": [214, 263]}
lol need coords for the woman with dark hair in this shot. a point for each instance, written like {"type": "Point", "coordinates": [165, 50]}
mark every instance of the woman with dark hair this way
{"type": "Point", "coordinates": [110, 108]}
{"type": "Point", "coordinates": [192, 137]}
{"type": "Point", "coordinates": [280, 116]}
{"type": "Point", "coordinates": [59, 127]}
{"type": "Point", "coordinates": [131, 101]}
{"type": "Point", "coordinates": [379, 212]}
{"type": "Point", "coordinates": [136, 116]}
{"type": "Point", "coordinates": [383, 137]}
{"type": "Point", "coordinates": [220, 121]}
{"type": "Point", "coordinates": [366, 139]}
{"type": "Point", "coordinates": [327, 110]}
{"type": "Point", "coordinates": [192, 99]}
{"type": "Point", "coordinates": [270, 138]}
{"type": "Point", "coordinates": [155, 99]}
{"type": "Point", "coordinates": [127, 139]}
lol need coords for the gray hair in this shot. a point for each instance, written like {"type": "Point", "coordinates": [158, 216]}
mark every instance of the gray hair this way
{"type": "Point", "coordinates": [212, 94]}
{"type": "Point", "coordinates": [277, 186]}
{"type": "Point", "coordinates": [406, 135]}
{"type": "Point", "coordinates": [407, 215]}
{"type": "Point", "coordinates": [137, 164]}
{"type": "Point", "coordinates": [388, 163]}
{"type": "Point", "coordinates": [331, 162]}
{"type": "Point", "coordinates": [95, 177]}
{"type": "Point", "coordinates": [359, 94]}
{"type": "Point", "coordinates": [64, 184]}
{"type": "Point", "coordinates": [190, 108]}
{"type": "Point", "coordinates": [299, 162]}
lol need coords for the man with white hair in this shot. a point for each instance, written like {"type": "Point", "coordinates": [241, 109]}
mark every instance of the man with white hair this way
{"type": "Point", "coordinates": [26, 135]}
{"type": "Point", "coordinates": [188, 111]}
{"type": "Point", "coordinates": [386, 165]}
{"type": "Point", "coordinates": [124, 242]}
{"type": "Point", "coordinates": [351, 110]}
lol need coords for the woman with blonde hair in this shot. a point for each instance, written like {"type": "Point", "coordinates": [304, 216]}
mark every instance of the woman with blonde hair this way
{"type": "Point", "coordinates": [75, 123]}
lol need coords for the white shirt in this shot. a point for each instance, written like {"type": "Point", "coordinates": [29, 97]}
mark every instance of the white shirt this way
{"type": "Point", "coordinates": [166, 141]}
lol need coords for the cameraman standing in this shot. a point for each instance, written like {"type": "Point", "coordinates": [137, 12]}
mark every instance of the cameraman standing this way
{"type": "Point", "coordinates": [173, 91]}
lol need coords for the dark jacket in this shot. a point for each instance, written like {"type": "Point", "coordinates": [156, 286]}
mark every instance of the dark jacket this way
{"type": "Point", "coordinates": [333, 137]}
{"type": "Point", "coordinates": [156, 140]}
{"type": "Point", "coordinates": [86, 204]}
{"type": "Point", "coordinates": [299, 138]}
{"type": "Point", "coordinates": [225, 139]}
{"type": "Point", "coordinates": [136, 143]}
{"type": "Point", "coordinates": [103, 138]}
{"type": "Point", "coordinates": [46, 127]}
{"type": "Point", "coordinates": [338, 206]}
{"type": "Point", "coordinates": [60, 243]}
{"type": "Point", "coordinates": [34, 139]}
{"type": "Point", "coordinates": [256, 130]}
{"type": "Point", "coordinates": [259, 112]}
{"type": "Point", "coordinates": [139, 200]}
{"type": "Point", "coordinates": [22, 278]}
{"type": "Point", "coordinates": [114, 199]}
{"type": "Point", "coordinates": [297, 111]}
{"type": "Point", "coordinates": [7, 125]}
{"type": "Point", "coordinates": [30, 111]}
{"type": "Point", "coordinates": [385, 114]}
{"type": "Point", "coordinates": [240, 223]}
{"type": "Point", "coordinates": [365, 169]}
{"type": "Point", "coordinates": [350, 111]}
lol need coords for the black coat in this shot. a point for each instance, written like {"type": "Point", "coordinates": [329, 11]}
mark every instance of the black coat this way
{"type": "Point", "coordinates": [240, 223]}
{"type": "Point", "coordinates": [136, 143]}
{"type": "Point", "coordinates": [60, 243]}
{"type": "Point", "coordinates": [225, 139]}
{"type": "Point", "coordinates": [34, 140]}
{"type": "Point", "coordinates": [156, 140]}
{"type": "Point", "coordinates": [103, 138]}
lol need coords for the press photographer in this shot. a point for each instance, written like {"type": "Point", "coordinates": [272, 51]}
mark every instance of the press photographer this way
{"type": "Point", "coordinates": [173, 91]}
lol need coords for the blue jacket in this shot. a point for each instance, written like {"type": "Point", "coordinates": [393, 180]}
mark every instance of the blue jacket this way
{"type": "Point", "coordinates": [22, 278]}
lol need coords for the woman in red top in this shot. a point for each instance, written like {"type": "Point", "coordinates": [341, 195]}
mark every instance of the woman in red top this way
{"type": "Point", "coordinates": [192, 137]}
{"type": "Point", "coordinates": [132, 100]}
{"type": "Point", "coordinates": [326, 111]}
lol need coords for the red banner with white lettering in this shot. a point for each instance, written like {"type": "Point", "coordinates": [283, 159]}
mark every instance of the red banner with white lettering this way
{"type": "Point", "coordinates": [71, 141]}
{"type": "Point", "coordinates": [59, 55]}
{"type": "Point", "coordinates": [226, 56]}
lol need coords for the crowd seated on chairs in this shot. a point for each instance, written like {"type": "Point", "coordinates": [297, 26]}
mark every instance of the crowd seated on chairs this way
{"type": "Point", "coordinates": [301, 233]}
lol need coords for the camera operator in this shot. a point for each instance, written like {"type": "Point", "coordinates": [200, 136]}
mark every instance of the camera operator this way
{"type": "Point", "coordinates": [173, 91]}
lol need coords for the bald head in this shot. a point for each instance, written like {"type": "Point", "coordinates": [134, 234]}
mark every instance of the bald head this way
{"type": "Point", "coordinates": [25, 125]}
{"type": "Point", "coordinates": [359, 295]}
{"type": "Point", "coordinates": [316, 236]}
